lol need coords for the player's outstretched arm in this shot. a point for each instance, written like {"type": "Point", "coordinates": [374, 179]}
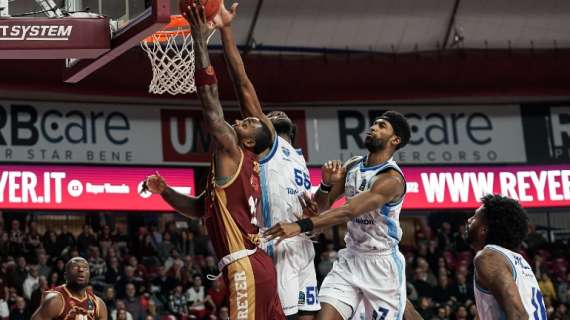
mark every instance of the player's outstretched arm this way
{"type": "Point", "coordinates": [388, 187]}
{"type": "Point", "coordinates": [249, 102]}
{"type": "Point", "coordinates": [218, 128]}
{"type": "Point", "coordinates": [103, 314]}
{"type": "Point", "coordinates": [50, 307]}
{"type": "Point", "coordinates": [189, 206]}
{"type": "Point", "coordinates": [493, 273]}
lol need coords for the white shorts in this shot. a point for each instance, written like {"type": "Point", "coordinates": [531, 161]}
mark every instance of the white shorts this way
{"type": "Point", "coordinates": [296, 276]}
{"type": "Point", "coordinates": [378, 281]}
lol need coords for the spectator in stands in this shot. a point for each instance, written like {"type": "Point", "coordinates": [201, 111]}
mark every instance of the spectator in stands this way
{"type": "Point", "coordinates": [459, 239]}
{"type": "Point", "coordinates": [218, 293]}
{"type": "Point", "coordinates": [109, 298]}
{"type": "Point", "coordinates": [97, 267]}
{"type": "Point", "coordinates": [20, 312]}
{"type": "Point", "coordinates": [54, 280]}
{"type": "Point", "coordinates": [186, 245]}
{"type": "Point", "coordinates": [164, 284]}
{"type": "Point", "coordinates": [445, 236]}
{"type": "Point", "coordinates": [425, 308]}
{"type": "Point", "coordinates": [36, 296]}
{"type": "Point", "coordinates": [31, 282]}
{"type": "Point", "coordinates": [4, 242]}
{"type": "Point", "coordinates": [60, 269]}
{"type": "Point", "coordinates": [443, 292]}
{"type": "Point", "coordinates": [546, 286]}
{"type": "Point", "coordinates": [85, 240]}
{"type": "Point", "coordinates": [461, 313]}
{"type": "Point", "coordinates": [202, 244]}
{"type": "Point", "coordinates": [33, 238]}
{"type": "Point", "coordinates": [133, 303]}
{"type": "Point", "coordinates": [165, 247]}
{"type": "Point", "coordinates": [121, 313]}
{"type": "Point", "coordinates": [196, 297]}
{"type": "Point", "coordinates": [461, 290]}
{"type": "Point", "coordinates": [20, 273]}
{"type": "Point", "coordinates": [178, 302]}
{"type": "Point", "coordinates": [65, 239]}
{"type": "Point", "coordinates": [16, 238]}
{"type": "Point", "coordinates": [421, 284]}
{"type": "Point", "coordinates": [105, 239]}
{"type": "Point", "coordinates": [224, 313]}
{"type": "Point", "coordinates": [113, 272]}
{"type": "Point", "coordinates": [441, 314]}
{"type": "Point", "coordinates": [43, 268]}
{"type": "Point", "coordinates": [126, 278]}
{"type": "Point", "coordinates": [534, 240]}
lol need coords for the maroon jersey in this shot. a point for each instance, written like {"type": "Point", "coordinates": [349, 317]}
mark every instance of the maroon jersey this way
{"type": "Point", "coordinates": [231, 208]}
{"type": "Point", "coordinates": [74, 308]}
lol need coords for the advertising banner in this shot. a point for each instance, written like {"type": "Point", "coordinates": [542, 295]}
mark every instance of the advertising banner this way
{"type": "Point", "coordinates": [547, 133]}
{"type": "Point", "coordinates": [113, 134]}
{"type": "Point", "coordinates": [431, 188]}
{"type": "Point", "coordinates": [440, 134]}
{"type": "Point", "coordinates": [27, 187]}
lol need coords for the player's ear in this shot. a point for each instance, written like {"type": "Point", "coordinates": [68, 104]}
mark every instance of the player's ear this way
{"type": "Point", "coordinates": [396, 140]}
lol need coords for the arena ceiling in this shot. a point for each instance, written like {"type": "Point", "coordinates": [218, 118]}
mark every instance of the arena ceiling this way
{"type": "Point", "coordinates": [405, 25]}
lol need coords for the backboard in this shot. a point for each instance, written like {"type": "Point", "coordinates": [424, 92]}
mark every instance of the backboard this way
{"type": "Point", "coordinates": [87, 33]}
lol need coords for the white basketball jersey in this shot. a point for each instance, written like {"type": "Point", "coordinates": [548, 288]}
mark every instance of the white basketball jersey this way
{"type": "Point", "coordinates": [283, 176]}
{"type": "Point", "coordinates": [379, 229]}
{"type": "Point", "coordinates": [488, 307]}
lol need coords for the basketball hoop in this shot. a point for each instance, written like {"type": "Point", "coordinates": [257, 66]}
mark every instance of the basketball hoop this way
{"type": "Point", "coordinates": [171, 55]}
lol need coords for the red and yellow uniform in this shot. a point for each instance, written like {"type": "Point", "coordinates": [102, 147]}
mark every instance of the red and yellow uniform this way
{"type": "Point", "coordinates": [74, 308]}
{"type": "Point", "coordinates": [230, 218]}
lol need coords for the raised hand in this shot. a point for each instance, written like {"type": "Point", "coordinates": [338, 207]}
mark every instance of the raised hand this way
{"type": "Point", "coordinates": [154, 184]}
{"type": "Point", "coordinates": [196, 16]}
{"type": "Point", "coordinates": [333, 172]}
{"type": "Point", "coordinates": [225, 17]}
{"type": "Point", "coordinates": [309, 205]}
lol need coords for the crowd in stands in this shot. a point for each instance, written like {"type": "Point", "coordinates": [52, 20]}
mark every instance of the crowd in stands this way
{"type": "Point", "coordinates": [156, 271]}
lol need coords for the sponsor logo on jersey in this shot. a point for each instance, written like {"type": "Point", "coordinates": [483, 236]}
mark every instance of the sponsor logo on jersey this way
{"type": "Point", "coordinates": [240, 282]}
{"type": "Point", "coordinates": [301, 297]}
{"type": "Point", "coordinates": [363, 221]}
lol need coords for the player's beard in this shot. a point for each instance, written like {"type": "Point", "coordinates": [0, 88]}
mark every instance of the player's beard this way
{"type": "Point", "coordinates": [374, 145]}
{"type": "Point", "coordinates": [76, 287]}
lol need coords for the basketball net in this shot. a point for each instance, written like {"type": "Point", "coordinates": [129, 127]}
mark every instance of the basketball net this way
{"type": "Point", "coordinates": [171, 55]}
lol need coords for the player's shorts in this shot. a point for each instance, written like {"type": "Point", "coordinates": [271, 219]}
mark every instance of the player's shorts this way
{"type": "Point", "coordinates": [378, 280]}
{"type": "Point", "coordinates": [296, 276]}
{"type": "Point", "coordinates": [252, 286]}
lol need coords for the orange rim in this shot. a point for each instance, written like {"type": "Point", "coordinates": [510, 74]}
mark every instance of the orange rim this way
{"type": "Point", "coordinates": [178, 25]}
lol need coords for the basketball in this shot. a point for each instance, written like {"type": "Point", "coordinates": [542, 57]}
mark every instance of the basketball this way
{"type": "Point", "coordinates": [212, 7]}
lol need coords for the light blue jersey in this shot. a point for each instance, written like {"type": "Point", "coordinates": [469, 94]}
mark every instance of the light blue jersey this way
{"type": "Point", "coordinates": [488, 307]}
{"type": "Point", "coordinates": [284, 176]}
{"type": "Point", "coordinates": [379, 229]}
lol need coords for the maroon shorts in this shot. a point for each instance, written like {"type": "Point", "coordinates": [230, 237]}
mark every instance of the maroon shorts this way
{"type": "Point", "coordinates": [252, 286]}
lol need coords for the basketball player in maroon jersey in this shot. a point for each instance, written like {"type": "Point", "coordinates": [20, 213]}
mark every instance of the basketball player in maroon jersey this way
{"type": "Point", "coordinates": [73, 300]}
{"type": "Point", "coordinates": [232, 195]}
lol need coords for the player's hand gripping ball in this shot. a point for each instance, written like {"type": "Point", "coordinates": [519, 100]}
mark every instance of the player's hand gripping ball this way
{"type": "Point", "coordinates": [211, 7]}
